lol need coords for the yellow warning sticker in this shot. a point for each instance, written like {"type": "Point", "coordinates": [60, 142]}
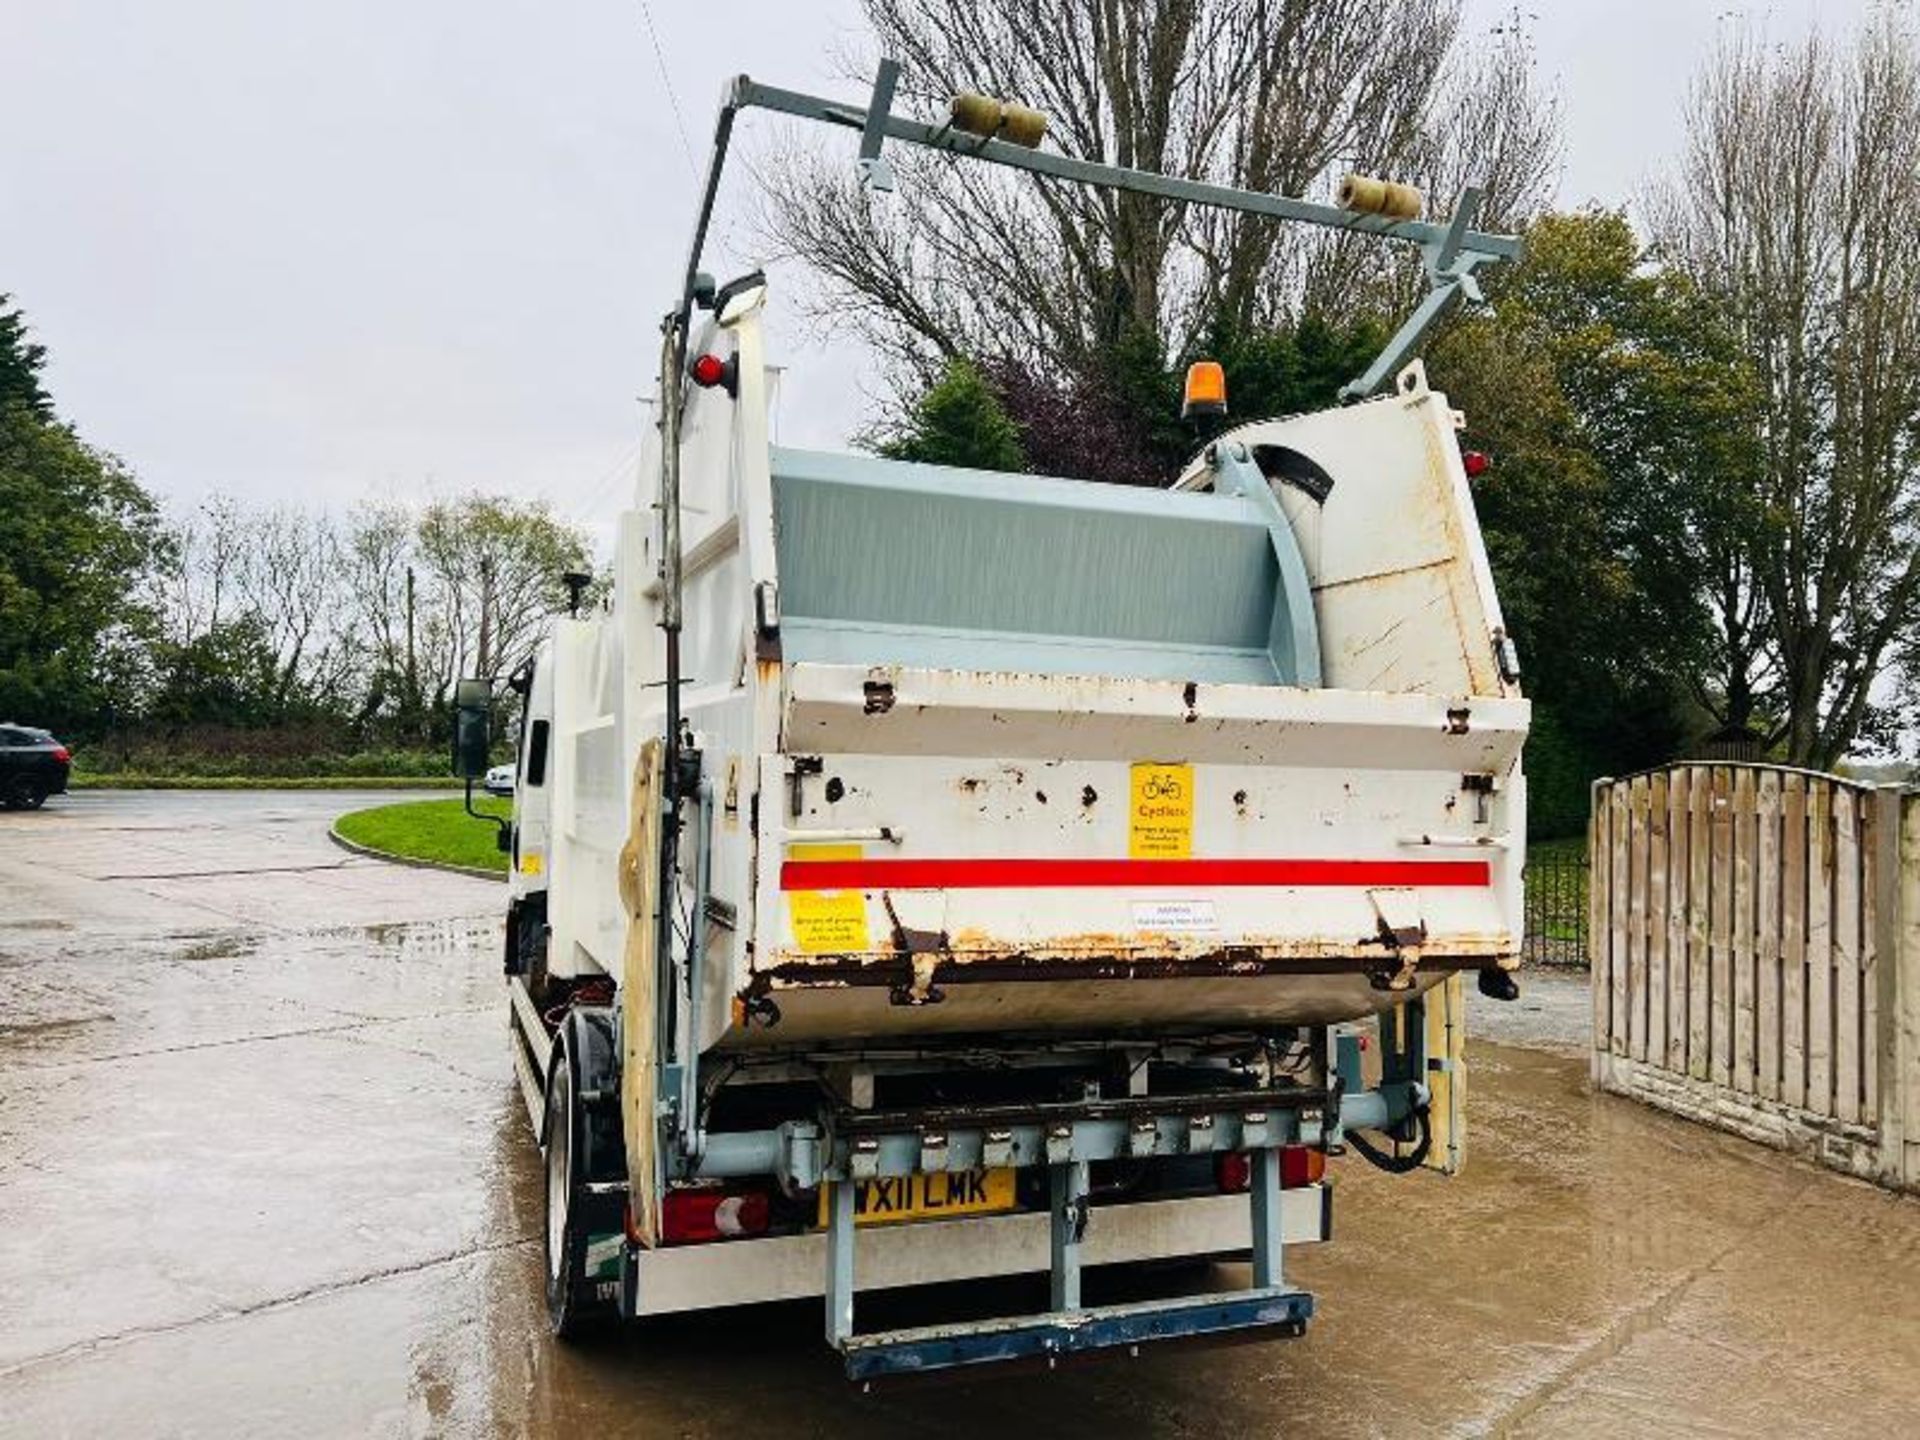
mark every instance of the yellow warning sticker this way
{"type": "Point", "coordinates": [827, 922]}
{"type": "Point", "coordinates": [1160, 812]}
{"type": "Point", "coordinates": [531, 863]}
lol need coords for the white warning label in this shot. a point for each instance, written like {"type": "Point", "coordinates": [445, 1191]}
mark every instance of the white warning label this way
{"type": "Point", "coordinates": [1174, 917]}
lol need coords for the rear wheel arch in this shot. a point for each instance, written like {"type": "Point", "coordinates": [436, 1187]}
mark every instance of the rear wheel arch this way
{"type": "Point", "coordinates": [585, 1043]}
{"type": "Point", "coordinates": [580, 1141]}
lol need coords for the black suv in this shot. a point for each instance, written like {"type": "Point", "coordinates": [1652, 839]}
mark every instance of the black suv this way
{"type": "Point", "coordinates": [33, 765]}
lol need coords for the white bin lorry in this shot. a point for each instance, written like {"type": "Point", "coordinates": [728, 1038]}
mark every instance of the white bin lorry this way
{"type": "Point", "coordinates": [922, 875]}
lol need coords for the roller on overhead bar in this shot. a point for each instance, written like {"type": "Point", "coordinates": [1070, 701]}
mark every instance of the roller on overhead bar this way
{"type": "Point", "coordinates": [993, 119]}
{"type": "Point", "coordinates": [1366, 195]}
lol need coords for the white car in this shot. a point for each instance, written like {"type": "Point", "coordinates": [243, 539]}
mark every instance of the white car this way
{"type": "Point", "coordinates": [499, 780]}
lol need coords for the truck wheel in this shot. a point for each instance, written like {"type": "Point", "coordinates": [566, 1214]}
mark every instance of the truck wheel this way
{"type": "Point", "coordinates": [575, 1300]}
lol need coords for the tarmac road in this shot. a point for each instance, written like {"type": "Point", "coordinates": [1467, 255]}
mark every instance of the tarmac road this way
{"type": "Point", "coordinates": [263, 1172]}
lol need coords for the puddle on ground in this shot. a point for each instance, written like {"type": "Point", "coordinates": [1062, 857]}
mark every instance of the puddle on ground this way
{"type": "Point", "coordinates": [227, 947]}
{"type": "Point", "coordinates": [418, 940]}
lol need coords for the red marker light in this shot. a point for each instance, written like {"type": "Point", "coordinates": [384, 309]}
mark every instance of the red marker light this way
{"type": "Point", "coordinates": [1475, 463]}
{"type": "Point", "coordinates": [1232, 1172]}
{"type": "Point", "coordinates": [693, 1217]}
{"type": "Point", "coordinates": [710, 372]}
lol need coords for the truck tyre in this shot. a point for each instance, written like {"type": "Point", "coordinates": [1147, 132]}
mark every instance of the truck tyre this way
{"type": "Point", "coordinates": [575, 1217]}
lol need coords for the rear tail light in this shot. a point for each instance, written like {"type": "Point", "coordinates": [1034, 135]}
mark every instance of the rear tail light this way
{"type": "Point", "coordinates": [62, 754]}
{"type": "Point", "coordinates": [1299, 1165]}
{"type": "Point", "coordinates": [1232, 1172]}
{"type": "Point", "coordinates": [691, 1217]}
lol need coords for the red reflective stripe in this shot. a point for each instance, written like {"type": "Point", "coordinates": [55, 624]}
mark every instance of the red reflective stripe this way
{"type": "Point", "coordinates": [1057, 874]}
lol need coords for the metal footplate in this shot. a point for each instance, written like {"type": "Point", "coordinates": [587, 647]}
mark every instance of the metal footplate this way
{"type": "Point", "coordinates": [944, 1347]}
{"type": "Point", "coordinates": [1068, 1327]}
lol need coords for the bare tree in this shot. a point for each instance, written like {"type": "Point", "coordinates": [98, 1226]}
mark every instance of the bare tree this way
{"type": "Point", "coordinates": [1275, 95]}
{"type": "Point", "coordinates": [198, 578]}
{"type": "Point", "coordinates": [378, 572]}
{"type": "Point", "coordinates": [290, 579]}
{"type": "Point", "coordinates": [1794, 205]}
{"type": "Point", "coordinates": [365, 620]}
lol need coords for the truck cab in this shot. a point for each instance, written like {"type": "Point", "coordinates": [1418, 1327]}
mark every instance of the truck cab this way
{"type": "Point", "coordinates": [531, 822]}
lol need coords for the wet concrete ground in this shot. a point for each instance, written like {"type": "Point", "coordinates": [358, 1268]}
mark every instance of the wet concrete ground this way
{"type": "Point", "coordinates": [262, 1171]}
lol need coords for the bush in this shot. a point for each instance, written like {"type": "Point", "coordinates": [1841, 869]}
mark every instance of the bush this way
{"type": "Point", "coordinates": [286, 753]}
{"type": "Point", "coordinates": [1560, 775]}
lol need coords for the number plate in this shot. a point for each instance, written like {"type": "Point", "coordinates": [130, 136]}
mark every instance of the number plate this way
{"type": "Point", "coordinates": [929, 1196]}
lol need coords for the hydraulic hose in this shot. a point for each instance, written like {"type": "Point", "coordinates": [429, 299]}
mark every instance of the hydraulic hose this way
{"type": "Point", "coordinates": [1388, 1161]}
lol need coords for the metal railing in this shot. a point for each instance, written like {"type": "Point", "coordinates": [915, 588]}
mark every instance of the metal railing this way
{"type": "Point", "coordinates": [1556, 905]}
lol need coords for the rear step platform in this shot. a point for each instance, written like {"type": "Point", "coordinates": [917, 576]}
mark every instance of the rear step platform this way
{"type": "Point", "coordinates": [1054, 1336]}
{"type": "Point", "coordinates": [1068, 1327]}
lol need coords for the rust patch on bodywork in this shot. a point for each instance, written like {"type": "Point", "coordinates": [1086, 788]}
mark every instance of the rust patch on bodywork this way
{"type": "Point", "coordinates": [975, 956]}
{"type": "Point", "coordinates": [793, 971]}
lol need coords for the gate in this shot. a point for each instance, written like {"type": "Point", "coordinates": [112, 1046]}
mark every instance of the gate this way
{"type": "Point", "coordinates": [1745, 941]}
{"type": "Point", "coordinates": [1556, 904]}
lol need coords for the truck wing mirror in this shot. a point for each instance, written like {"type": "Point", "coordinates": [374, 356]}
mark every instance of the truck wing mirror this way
{"type": "Point", "coordinates": [472, 724]}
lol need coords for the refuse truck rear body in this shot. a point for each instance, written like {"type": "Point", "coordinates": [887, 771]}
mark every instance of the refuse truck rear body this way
{"type": "Point", "coordinates": [924, 874]}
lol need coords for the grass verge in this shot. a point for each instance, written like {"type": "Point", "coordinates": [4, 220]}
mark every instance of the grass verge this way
{"type": "Point", "coordinates": [437, 831]}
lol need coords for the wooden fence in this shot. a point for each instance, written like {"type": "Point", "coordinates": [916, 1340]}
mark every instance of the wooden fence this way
{"type": "Point", "coordinates": [1754, 935]}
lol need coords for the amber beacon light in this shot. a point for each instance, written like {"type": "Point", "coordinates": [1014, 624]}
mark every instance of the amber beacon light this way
{"type": "Point", "coordinates": [1206, 392]}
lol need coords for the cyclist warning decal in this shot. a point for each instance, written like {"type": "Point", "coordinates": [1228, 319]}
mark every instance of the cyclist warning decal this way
{"type": "Point", "coordinates": [827, 922]}
{"type": "Point", "coordinates": [1160, 814]}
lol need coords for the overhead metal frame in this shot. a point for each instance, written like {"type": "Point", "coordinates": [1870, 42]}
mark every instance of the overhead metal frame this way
{"type": "Point", "coordinates": [748, 94]}
{"type": "Point", "coordinates": [1451, 251]}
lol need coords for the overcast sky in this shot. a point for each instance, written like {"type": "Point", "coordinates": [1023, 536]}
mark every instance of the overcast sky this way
{"type": "Point", "coordinates": [366, 248]}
